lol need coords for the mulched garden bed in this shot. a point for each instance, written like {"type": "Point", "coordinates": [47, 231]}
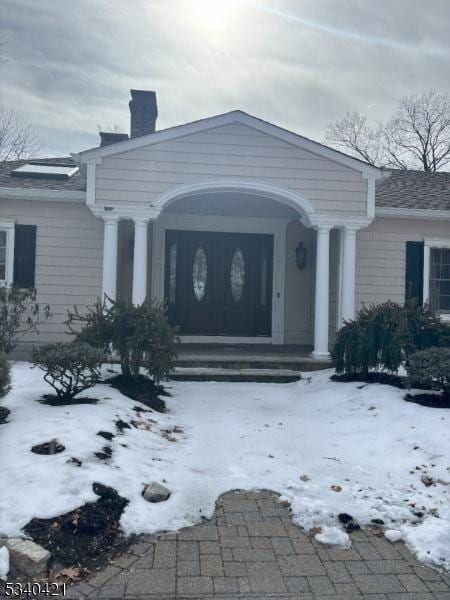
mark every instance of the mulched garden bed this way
{"type": "Point", "coordinates": [429, 400]}
{"type": "Point", "coordinates": [374, 377]}
{"type": "Point", "coordinates": [143, 390]}
{"type": "Point", "coordinates": [53, 400]}
{"type": "Point", "coordinates": [4, 412]}
{"type": "Point", "coordinates": [85, 538]}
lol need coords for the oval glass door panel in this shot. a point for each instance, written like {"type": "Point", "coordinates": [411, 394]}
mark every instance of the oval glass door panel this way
{"type": "Point", "coordinates": [237, 275]}
{"type": "Point", "coordinates": [199, 273]}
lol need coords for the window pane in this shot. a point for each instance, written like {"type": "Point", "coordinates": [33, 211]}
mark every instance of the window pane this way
{"type": "Point", "coordinates": [172, 273]}
{"type": "Point", "coordinates": [2, 238]}
{"type": "Point", "coordinates": [199, 273]}
{"type": "Point", "coordinates": [2, 271]}
{"type": "Point", "coordinates": [2, 255]}
{"type": "Point", "coordinates": [237, 275]}
{"type": "Point", "coordinates": [440, 279]}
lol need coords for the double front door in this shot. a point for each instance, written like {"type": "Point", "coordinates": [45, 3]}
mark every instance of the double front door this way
{"type": "Point", "coordinates": [219, 283]}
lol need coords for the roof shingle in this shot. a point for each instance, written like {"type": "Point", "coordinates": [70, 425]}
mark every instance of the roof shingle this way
{"type": "Point", "coordinates": [414, 190]}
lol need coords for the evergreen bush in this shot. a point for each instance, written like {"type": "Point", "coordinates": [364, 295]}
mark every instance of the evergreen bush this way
{"type": "Point", "coordinates": [430, 369]}
{"type": "Point", "coordinates": [140, 334]}
{"type": "Point", "coordinates": [5, 375]}
{"type": "Point", "coordinates": [19, 314]}
{"type": "Point", "coordinates": [383, 335]}
{"type": "Point", "coordinates": [69, 368]}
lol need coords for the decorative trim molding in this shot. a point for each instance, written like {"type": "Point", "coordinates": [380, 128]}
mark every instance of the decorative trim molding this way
{"type": "Point", "coordinates": [43, 194]}
{"type": "Point", "coordinates": [235, 116]}
{"type": "Point", "coordinates": [145, 213]}
{"type": "Point", "coordinates": [294, 200]}
{"type": "Point", "coordinates": [332, 221]}
{"type": "Point", "coordinates": [412, 213]}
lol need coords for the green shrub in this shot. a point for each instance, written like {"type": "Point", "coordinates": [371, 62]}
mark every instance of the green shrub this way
{"type": "Point", "coordinates": [383, 335]}
{"type": "Point", "coordinates": [430, 369]}
{"type": "Point", "coordinates": [70, 367]}
{"type": "Point", "coordinates": [5, 375]}
{"type": "Point", "coordinates": [140, 334]}
{"type": "Point", "coordinates": [19, 314]}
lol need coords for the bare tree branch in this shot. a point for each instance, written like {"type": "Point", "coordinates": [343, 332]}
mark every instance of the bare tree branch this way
{"type": "Point", "coordinates": [417, 136]}
{"type": "Point", "coordinates": [17, 137]}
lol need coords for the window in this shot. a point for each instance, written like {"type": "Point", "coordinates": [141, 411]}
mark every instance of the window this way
{"type": "Point", "coordinates": [6, 252]}
{"type": "Point", "coordinates": [440, 280]}
{"type": "Point", "coordinates": [436, 275]}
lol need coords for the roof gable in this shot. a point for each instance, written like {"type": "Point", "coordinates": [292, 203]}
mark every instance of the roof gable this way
{"type": "Point", "coordinates": [257, 125]}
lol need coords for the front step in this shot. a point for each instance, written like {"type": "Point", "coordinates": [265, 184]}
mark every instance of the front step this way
{"type": "Point", "coordinates": [237, 375]}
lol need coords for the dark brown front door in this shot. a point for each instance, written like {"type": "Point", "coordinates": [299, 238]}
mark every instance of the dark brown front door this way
{"type": "Point", "coordinates": [219, 283]}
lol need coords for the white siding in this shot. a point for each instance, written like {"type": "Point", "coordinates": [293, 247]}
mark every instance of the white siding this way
{"type": "Point", "coordinates": [232, 151]}
{"type": "Point", "coordinates": [381, 256]}
{"type": "Point", "coordinates": [69, 248]}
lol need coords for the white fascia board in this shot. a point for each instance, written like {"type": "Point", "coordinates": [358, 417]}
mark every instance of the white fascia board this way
{"type": "Point", "coordinates": [43, 194]}
{"type": "Point", "coordinates": [236, 116]}
{"type": "Point", "coordinates": [412, 213]}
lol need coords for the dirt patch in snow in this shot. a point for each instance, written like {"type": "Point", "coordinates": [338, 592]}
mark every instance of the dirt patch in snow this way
{"type": "Point", "coordinates": [85, 538]}
{"type": "Point", "coordinates": [374, 377]}
{"type": "Point", "coordinates": [4, 412]}
{"type": "Point", "coordinates": [143, 390]}
{"type": "Point", "coordinates": [52, 400]}
{"type": "Point", "coordinates": [429, 400]}
{"type": "Point", "coordinates": [51, 447]}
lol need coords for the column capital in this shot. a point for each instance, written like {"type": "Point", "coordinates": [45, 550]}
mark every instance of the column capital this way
{"type": "Point", "coordinates": [108, 218]}
{"type": "Point", "coordinates": [317, 221]}
{"type": "Point", "coordinates": [141, 221]}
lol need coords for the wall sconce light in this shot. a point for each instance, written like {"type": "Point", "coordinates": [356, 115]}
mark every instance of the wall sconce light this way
{"type": "Point", "coordinates": [300, 256]}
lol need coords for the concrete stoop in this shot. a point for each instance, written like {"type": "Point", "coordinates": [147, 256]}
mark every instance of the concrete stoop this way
{"type": "Point", "coordinates": [262, 364]}
{"type": "Point", "coordinates": [225, 374]}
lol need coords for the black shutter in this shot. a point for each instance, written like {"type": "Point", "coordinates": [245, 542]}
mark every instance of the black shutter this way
{"type": "Point", "coordinates": [24, 255]}
{"type": "Point", "coordinates": [414, 271]}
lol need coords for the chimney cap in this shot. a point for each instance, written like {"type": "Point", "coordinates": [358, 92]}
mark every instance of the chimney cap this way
{"type": "Point", "coordinates": [142, 94]}
{"type": "Point", "coordinates": [111, 137]}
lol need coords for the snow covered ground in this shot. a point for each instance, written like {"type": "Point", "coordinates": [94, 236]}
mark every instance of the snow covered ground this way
{"type": "Point", "coordinates": [327, 447]}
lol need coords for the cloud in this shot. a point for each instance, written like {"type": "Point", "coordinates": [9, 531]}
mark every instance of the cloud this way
{"type": "Point", "coordinates": [297, 63]}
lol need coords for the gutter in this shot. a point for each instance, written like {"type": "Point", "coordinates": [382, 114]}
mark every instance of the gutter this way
{"type": "Point", "coordinates": [43, 194]}
{"type": "Point", "coordinates": [412, 213]}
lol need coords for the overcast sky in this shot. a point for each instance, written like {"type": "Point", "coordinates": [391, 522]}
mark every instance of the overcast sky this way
{"type": "Point", "coordinates": [297, 63]}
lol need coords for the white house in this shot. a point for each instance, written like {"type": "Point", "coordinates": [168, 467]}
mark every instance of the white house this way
{"type": "Point", "coordinates": [249, 232]}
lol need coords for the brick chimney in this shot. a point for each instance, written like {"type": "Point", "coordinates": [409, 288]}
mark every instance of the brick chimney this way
{"type": "Point", "coordinates": [109, 137]}
{"type": "Point", "coordinates": [144, 112]}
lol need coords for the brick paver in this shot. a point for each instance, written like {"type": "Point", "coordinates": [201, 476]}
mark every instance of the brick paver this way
{"type": "Point", "coordinates": [252, 549]}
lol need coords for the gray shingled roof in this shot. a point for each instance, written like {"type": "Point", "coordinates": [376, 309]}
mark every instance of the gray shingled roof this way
{"type": "Point", "coordinates": [76, 182]}
{"type": "Point", "coordinates": [414, 189]}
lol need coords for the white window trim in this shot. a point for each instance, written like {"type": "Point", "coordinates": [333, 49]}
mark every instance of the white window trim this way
{"type": "Point", "coordinates": [9, 227]}
{"type": "Point", "coordinates": [430, 243]}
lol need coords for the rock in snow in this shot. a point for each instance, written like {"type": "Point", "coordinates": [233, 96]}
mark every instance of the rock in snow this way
{"type": "Point", "coordinates": [26, 557]}
{"type": "Point", "coordinates": [393, 535]}
{"type": "Point", "coordinates": [155, 492]}
{"type": "Point", "coordinates": [333, 536]}
{"type": "Point", "coordinates": [4, 562]}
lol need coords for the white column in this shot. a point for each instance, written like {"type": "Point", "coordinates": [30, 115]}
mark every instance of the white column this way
{"type": "Point", "coordinates": [322, 295]}
{"type": "Point", "coordinates": [348, 274]}
{"type": "Point", "coordinates": [140, 261]}
{"type": "Point", "coordinates": [110, 238]}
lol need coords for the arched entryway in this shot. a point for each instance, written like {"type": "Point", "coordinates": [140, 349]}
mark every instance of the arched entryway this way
{"type": "Point", "coordinates": [219, 259]}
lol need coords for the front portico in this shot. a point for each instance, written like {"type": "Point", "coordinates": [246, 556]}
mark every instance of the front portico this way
{"type": "Point", "coordinates": [180, 227]}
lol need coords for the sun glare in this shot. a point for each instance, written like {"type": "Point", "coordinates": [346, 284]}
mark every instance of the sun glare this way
{"type": "Point", "coordinates": [217, 12]}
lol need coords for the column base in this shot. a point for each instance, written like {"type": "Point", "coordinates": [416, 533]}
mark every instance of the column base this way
{"type": "Point", "coordinates": [321, 355]}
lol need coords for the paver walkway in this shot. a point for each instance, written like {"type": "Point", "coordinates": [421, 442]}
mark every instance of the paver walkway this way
{"type": "Point", "coordinates": [251, 549]}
